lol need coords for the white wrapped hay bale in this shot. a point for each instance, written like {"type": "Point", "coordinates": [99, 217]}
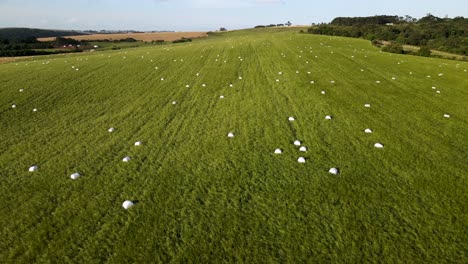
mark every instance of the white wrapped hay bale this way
{"type": "Point", "coordinates": [367, 105]}
{"type": "Point", "coordinates": [297, 143]}
{"type": "Point", "coordinates": [110, 130]}
{"type": "Point", "coordinates": [446, 115]}
{"type": "Point", "coordinates": [334, 171]}
{"type": "Point", "coordinates": [75, 176]}
{"type": "Point", "coordinates": [230, 135]}
{"type": "Point", "coordinates": [368, 130]}
{"type": "Point", "coordinates": [138, 143]}
{"type": "Point", "coordinates": [278, 151]}
{"type": "Point", "coordinates": [328, 117]}
{"type": "Point", "coordinates": [33, 168]}
{"type": "Point", "coordinates": [303, 149]}
{"type": "Point", "coordinates": [378, 145]}
{"type": "Point", "coordinates": [291, 118]}
{"type": "Point", "coordinates": [301, 160]}
{"type": "Point", "coordinates": [127, 204]}
{"type": "Point", "coordinates": [126, 159]}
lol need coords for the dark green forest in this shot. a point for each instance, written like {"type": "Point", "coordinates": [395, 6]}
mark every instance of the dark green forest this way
{"type": "Point", "coordinates": [16, 42]}
{"type": "Point", "coordinates": [431, 32]}
{"type": "Point", "coordinates": [30, 46]}
{"type": "Point", "coordinates": [22, 33]}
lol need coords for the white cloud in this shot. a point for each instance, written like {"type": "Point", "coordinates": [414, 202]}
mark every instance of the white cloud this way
{"type": "Point", "coordinates": [271, 1]}
{"type": "Point", "coordinates": [228, 3]}
{"type": "Point", "coordinates": [72, 20]}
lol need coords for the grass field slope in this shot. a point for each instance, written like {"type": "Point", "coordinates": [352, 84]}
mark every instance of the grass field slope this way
{"type": "Point", "coordinates": [201, 196]}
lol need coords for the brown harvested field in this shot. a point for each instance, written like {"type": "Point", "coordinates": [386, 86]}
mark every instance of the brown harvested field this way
{"type": "Point", "coordinates": [167, 36]}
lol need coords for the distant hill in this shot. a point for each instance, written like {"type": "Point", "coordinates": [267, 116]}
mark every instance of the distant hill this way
{"type": "Point", "coordinates": [21, 33]}
{"type": "Point", "coordinates": [167, 36]}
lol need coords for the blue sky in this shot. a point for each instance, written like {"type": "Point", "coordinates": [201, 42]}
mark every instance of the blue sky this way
{"type": "Point", "coordinates": [205, 15]}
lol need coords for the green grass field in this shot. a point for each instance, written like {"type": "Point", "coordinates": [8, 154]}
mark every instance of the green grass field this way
{"type": "Point", "coordinates": [206, 198]}
{"type": "Point", "coordinates": [104, 46]}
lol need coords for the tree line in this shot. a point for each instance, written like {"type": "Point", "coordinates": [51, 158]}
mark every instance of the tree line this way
{"type": "Point", "coordinates": [274, 25]}
{"type": "Point", "coordinates": [21, 33]}
{"type": "Point", "coordinates": [430, 32]}
{"type": "Point", "coordinates": [30, 46]}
